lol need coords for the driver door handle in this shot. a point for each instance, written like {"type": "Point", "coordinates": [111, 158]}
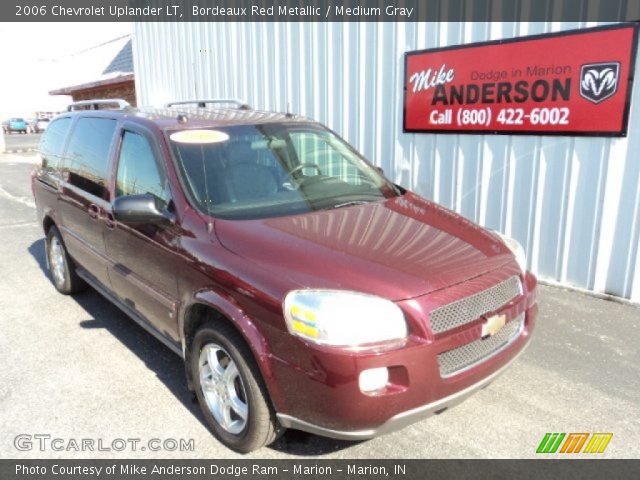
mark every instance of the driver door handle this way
{"type": "Point", "coordinates": [109, 220]}
{"type": "Point", "coordinates": [93, 211]}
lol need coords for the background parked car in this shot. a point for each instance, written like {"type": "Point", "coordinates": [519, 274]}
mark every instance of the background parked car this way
{"type": "Point", "coordinates": [16, 125]}
{"type": "Point", "coordinates": [38, 125]}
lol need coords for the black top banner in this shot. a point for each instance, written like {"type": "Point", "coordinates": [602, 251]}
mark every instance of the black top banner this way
{"type": "Point", "coordinates": [318, 10]}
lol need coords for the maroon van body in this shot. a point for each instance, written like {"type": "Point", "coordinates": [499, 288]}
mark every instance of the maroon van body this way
{"type": "Point", "coordinates": [197, 268]}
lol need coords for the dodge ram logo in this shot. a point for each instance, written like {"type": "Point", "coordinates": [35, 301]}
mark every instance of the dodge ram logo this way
{"type": "Point", "coordinates": [599, 81]}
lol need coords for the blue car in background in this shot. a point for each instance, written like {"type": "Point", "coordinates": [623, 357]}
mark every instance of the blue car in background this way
{"type": "Point", "coordinates": [15, 125]}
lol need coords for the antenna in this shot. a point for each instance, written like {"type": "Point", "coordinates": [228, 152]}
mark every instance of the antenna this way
{"type": "Point", "coordinates": [289, 114]}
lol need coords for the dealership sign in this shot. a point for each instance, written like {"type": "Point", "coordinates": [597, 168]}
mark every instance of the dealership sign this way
{"type": "Point", "coordinates": [576, 82]}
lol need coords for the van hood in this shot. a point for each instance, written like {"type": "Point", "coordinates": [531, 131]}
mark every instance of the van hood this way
{"type": "Point", "coordinates": [398, 248]}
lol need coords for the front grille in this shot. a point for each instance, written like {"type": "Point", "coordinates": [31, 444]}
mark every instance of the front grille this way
{"type": "Point", "coordinates": [473, 307]}
{"type": "Point", "coordinates": [466, 356]}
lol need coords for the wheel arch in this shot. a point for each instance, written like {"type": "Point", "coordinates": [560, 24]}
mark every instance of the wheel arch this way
{"type": "Point", "coordinates": [47, 223]}
{"type": "Point", "coordinates": [210, 307]}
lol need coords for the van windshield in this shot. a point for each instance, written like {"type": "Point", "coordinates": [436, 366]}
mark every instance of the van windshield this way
{"type": "Point", "coordinates": [276, 169]}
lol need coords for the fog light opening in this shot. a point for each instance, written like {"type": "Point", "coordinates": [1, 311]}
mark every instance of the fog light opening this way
{"type": "Point", "coordinates": [373, 379]}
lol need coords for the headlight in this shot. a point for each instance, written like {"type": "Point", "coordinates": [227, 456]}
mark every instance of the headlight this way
{"type": "Point", "coordinates": [516, 249]}
{"type": "Point", "coordinates": [345, 319]}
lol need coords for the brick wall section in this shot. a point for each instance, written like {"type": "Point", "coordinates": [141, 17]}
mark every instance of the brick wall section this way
{"type": "Point", "coordinates": [125, 90]}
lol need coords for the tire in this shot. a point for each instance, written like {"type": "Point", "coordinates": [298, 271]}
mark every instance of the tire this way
{"type": "Point", "coordinates": [260, 426]}
{"type": "Point", "coordinates": [62, 270]}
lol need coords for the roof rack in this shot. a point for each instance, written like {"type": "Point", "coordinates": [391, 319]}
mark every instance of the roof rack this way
{"type": "Point", "coordinates": [239, 104]}
{"type": "Point", "coordinates": [95, 103]}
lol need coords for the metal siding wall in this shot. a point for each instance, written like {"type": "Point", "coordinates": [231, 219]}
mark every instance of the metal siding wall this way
{"type": "Point", "coordinates": [572, 202]}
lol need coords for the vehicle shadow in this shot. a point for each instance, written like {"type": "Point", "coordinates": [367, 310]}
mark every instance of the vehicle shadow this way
{"type": "Point", "coordinates": [36, 249]}
{"type": "Point", "coordinates": [168, 367]}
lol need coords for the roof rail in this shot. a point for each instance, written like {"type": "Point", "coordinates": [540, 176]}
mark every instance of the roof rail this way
{"type": "Point", "coordinates": [94, 104]}
{"type": "Point", "coordinates": [240, 104]}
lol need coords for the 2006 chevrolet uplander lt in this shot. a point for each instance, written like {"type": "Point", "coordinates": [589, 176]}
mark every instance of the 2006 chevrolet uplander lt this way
{"type": "Point", "coordinates": [303, 289]}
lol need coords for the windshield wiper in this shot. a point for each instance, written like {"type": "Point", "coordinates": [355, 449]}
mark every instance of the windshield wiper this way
{"type": "Point", "coordinates": [351, 203]}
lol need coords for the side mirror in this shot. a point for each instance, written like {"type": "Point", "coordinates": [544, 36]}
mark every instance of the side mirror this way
{"type": "Point", "coordinates": [139, 209]}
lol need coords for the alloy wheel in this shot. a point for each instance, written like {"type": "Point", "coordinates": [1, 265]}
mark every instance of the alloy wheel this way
{"type": "Point", "coordinates": [223, 388]}
{"type": "Point", "coordinates": [56, 260]}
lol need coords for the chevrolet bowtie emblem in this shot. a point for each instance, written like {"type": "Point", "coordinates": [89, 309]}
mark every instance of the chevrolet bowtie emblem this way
{"type": "Point", "coordinates": [493, 325]}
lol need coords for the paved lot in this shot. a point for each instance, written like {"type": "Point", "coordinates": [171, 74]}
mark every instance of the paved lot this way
{"type": "Point", "coordinates": [19, 141]}
{"type": "Point", "coordinates": [75, 367]}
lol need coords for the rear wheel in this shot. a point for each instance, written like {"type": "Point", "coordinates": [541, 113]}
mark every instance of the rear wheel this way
{"type": "Point", "coordinates": [230, 389]}
{"type": "Point", "coordinates": [61, 267]}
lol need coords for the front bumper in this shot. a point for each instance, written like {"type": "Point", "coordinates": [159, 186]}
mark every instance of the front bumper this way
{"type": "Point", "coordinates": [322, 396]}
{"type": "Point", "coordinates": [400, 420]}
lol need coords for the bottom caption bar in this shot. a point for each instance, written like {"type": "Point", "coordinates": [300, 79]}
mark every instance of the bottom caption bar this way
{"type": "Point", "coordinates": [330, 469]}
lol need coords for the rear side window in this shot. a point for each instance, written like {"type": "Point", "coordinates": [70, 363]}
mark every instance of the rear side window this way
{"type": "Point", "coordinates": [87, 157]}
{"type": "Point", "coordinates": [138, 171]}
{"type": "Point", "coordinates": [52, 143]}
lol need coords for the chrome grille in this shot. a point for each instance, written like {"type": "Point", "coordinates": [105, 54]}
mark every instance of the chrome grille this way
{"type": "Point", "coordinates": [473, 307]}
{"type": "Point", "coordinates": [466, 356]}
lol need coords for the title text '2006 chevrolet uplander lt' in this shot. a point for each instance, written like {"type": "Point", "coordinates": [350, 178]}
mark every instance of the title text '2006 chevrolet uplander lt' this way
{"type": "Point", "coordinates": [302, 288]}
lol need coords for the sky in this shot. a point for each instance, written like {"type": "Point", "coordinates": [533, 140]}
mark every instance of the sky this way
{"type": "Point", "coordinates": [38, 57]}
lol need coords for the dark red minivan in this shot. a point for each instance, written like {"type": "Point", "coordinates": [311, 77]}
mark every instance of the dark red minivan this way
{"type": "Point", "coordinates": [302, 288]}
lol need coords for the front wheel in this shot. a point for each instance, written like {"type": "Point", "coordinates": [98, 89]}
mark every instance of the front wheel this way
{"type": "Point", "coordinates": [230, 389]}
